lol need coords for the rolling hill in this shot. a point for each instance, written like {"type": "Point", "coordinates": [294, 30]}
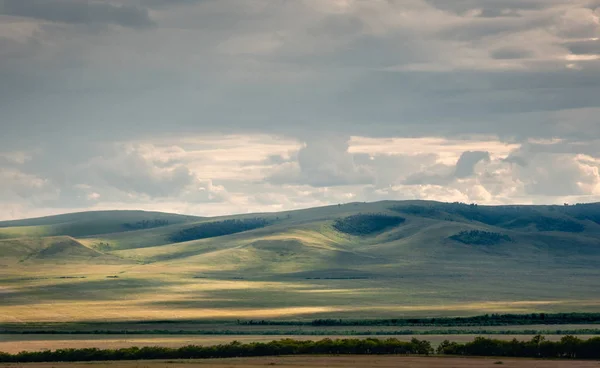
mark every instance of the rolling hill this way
{"type": "Point", "coordinates": [89, 223]}
{"type": "Point", "coordinates": [383, 258]}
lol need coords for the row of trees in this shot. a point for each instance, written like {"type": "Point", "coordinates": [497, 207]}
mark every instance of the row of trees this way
{"type": "Point", "coordinates": [146, 224]}
{"type": "Point", "coordinates": [494, 319]}
{"type": "Point", "coordinates": [478, 237]}
{"type": "Point", "coordinates": [218, 228]}
{"type": "Point", "coordinates": [366, 224]}
{"type": "Point", "coordinates": [543, 223]}
{"type": "Point", "coordinates": [538, 347]}
{"type": "Point", "coordinates": [569, 347]}
{"type": "Point", "coordinates": [234, 349]}
{"type": "Point", "coordinates": [509, 217]}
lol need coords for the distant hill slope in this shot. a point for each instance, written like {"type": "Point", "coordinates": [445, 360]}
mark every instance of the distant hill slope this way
{"type": "Point", "coordinates": [89, 223]}
{"type": "Point", "coordinates": [377, 238]}
{"type": "Point", "coordinates": [59, 249]}
{"type": "Point", "coordinates": [360, 259]}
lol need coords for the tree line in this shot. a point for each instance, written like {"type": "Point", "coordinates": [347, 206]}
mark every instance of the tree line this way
{"type": "Point", "coordinates": [538, 347]}
{"type": "Point", "coordinates": [494, 319]}
{"type": "Point", "coordinates": [231, 350]}
{"type": "Point", "coordinates": [509, 217]}
{"type": "Point", "coordinates": [366, 224]}
{"type": "Point", "coordinates": [217, 228]}
{"type": "Point", "coordinates": [569, 347]}
{"type": "Point", "coordinates": [146, 224]}
{"type": "Point", "coordinates": [478, 237]}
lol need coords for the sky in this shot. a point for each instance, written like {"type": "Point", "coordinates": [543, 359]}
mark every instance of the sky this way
{"type": "Point", "coordinates": [213, 107]}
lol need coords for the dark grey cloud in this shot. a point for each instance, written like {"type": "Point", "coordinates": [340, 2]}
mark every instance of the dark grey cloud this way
{"type": "Point", "coordinates": [495, 12]}
{"type": "Point", "coordinates": [78, 12]}
{"type": "Point", "coordinates": [514, 159]}
{"type": "Point", "coordinates": [505, 53]}
{"type": "Point", "coordinates": [585, 47]}
{"type": "Point", "coordinates": [492, 6]}
{"type": "Point", "coordinates": [170, 3]}
{"type": "Point", "coordinates": [465, 166]}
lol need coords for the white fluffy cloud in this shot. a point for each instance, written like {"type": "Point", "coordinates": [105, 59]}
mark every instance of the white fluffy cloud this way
{"type": "Point", "coordinates": [264, 173]}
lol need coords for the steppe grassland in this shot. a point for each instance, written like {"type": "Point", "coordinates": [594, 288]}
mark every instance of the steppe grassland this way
{"type": "Point", "coordinates": [157, 292]}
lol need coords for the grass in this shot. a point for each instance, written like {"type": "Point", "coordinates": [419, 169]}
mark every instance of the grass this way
{"type": "Point", "coordinates": [297, 267]}
{"type": "Point", "coordinates": [333, 362]}
{"type": "Point", "coordinates": [154, 292]}
{"type": "Point", "coordinates": [86, 223]}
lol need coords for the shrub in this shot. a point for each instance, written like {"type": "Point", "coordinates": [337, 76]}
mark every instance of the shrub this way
{"type": "Point", "coordinates": [217, 228]}
{"type": "Point", "coordinates": [366, 224]}
{"type": "Point", "coordinates": [478, 237]}
{"type": "Point", "coordinates": [146, 224]}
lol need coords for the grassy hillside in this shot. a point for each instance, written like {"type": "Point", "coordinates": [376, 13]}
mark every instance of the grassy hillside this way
{"type": "Point", "coordinates": [89, 223]}
{"type": "Point", "coordinates": [388, 258]}
{"type": "Point", "coordinates": [53, 250]}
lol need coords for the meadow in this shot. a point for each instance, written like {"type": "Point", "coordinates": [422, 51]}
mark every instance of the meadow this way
{"type": "Point", "coordinates": [47, 293]}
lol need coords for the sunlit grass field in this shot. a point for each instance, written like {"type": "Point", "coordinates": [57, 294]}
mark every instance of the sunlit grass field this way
{"type": "Point", "coordinates": [156, 292]}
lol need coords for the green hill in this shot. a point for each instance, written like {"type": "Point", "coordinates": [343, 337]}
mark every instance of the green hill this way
{"type": "Point", "coordinates": [89, 223]}
{"type": "Point", "coordinates": [357, 259]}
{"type": "Point", "coordinates": [54, 250]}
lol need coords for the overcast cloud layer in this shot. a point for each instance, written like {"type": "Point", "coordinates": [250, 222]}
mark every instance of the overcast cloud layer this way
{"type": "Point", "coordinates": [211, 107]}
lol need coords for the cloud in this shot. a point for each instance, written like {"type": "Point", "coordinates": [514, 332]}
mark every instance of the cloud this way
{"type": "Point", "coordinates": [16, 184]}
{"type": "Point", "coordinates": [78, 12]}
{"type": "Point", "coordinates": [443, 174]}
{"type": "Point", "coordinates": [463, 6]}
{"type": "Point", "coordinates": [216, 106]}
{"type": "Point", "coordinates": [130, 171]}
{"type": "Point", "coordinates": [584, 47]}
{"type": "Point", "coordinates": [511, 53]}
{"type": "Point", "coordinates": [323, 162]}
{"type": "Point", "coordinates": [579, 23]}
{"type": "Point", "coordinates": [261, 173]}
{"type": "Point", "coordinates": [465, 166]}
{"type": "Point", "coordinates": [561, 175]}
{"type": "Point", "coordinates": [169, 3]}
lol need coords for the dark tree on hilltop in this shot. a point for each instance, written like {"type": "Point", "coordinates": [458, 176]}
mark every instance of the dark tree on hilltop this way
{"type": "Point", "coordinates": [146, 224]}
{"type": "Point", "coordinates": [478, 237]}
{"type": "Point", "coordinates": [365, 224]}
{"type": "Point", "coordinates": [509, 217]}
{"type": "Point", "coordinates": [217, 228]}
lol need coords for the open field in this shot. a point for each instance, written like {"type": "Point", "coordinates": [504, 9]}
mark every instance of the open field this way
{"type": "Point", "coordinates": [330, 361]}
{"type": "Point", "coordinates": [157, 292]}
{"type": "Point", "coordinates": [30, 342]}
